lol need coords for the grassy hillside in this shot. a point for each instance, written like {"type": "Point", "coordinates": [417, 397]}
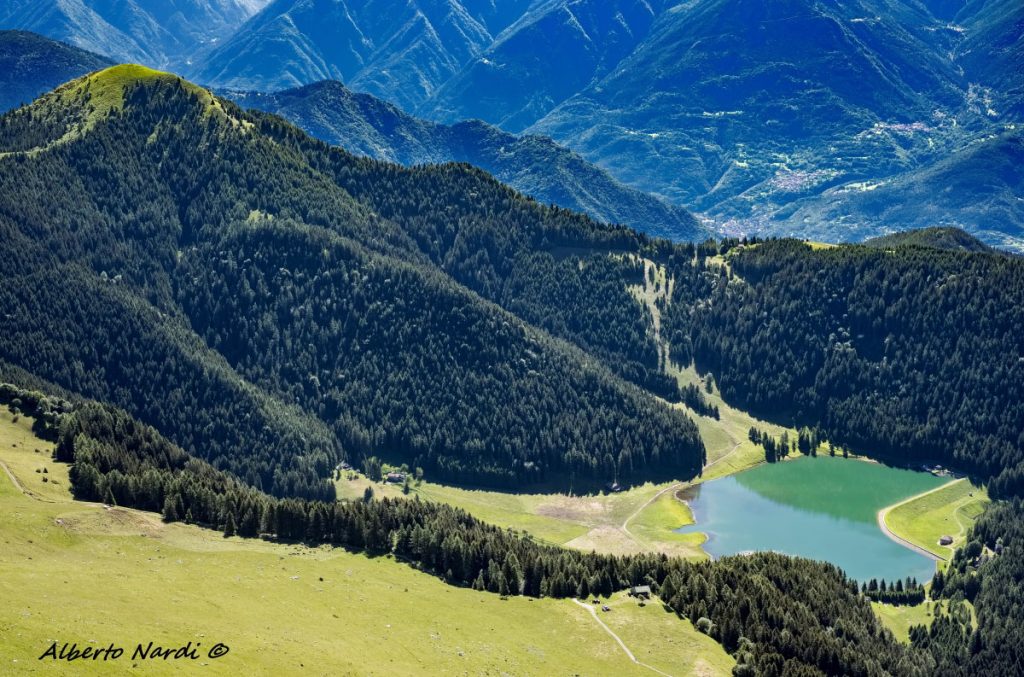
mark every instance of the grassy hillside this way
{"type": "Point", "coordinates": [948, 511]}
{"type": "Point", "coordinates": [641, 519]}
{"type": "Point", "coordinates": [173, 583]}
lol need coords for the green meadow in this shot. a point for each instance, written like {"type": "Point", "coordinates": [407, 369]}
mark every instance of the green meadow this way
{"type": "Point", "coordinates": [83, 573]}
{"type": "Point", "coordinates": [949, 511]}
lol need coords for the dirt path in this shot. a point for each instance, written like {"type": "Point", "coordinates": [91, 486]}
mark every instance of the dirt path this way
{"type": "Point", "coordinates": [14, 480]}
{"type": "Point", "coordinates": [593, 612]}
{"type": "Point", "coordinates": [625, 525]}
{"type": "Point", "coordinates": [725, 456]}
{"type": "Point", "coordinates": [21, 488]}
{"type": "Point", "coordinates": [899, 539]}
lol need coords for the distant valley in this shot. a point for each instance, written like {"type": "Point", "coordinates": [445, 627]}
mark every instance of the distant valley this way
{"type": "Point", "coordinates": [755, 132]}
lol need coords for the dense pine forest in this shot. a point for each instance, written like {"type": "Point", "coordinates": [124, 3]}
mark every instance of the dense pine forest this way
{"type": "Point", "coordinates": [273, 305]}
{"type": "Point", "coordinates": [215, 277]}
{"type": "Point", "coordinates": [911, 354]}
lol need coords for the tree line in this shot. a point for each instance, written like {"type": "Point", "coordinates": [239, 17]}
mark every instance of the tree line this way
{"type": "Point", "coordinates": [778, 615]}
{"type": "Point", "coordinates": [909, 354]}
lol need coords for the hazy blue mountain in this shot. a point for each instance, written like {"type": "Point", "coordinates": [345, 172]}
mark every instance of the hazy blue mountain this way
{"type": "Point", "coordinates": [533, 165]}
{"type": "Point", "coordinates": [401, 50]}
{"type": "Point", "coordinates": [727, 94]}
{"type": "Point", "coordinates": [31, 65]}
{"type": "Point", "coordinates": [978, 189]}
{"type": "Point", "coordinates": [155, 32]}
{"type": "Point", "coordinates": [992, 52]}
{"type": "Point", "coordinates": [744, 109]}
{"type": "Point", "coordinates": [555, 50]}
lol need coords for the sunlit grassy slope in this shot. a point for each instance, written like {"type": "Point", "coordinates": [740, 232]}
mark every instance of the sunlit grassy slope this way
{"type": "Point", "coordinates": [77, 106]}
{"type": "Point", "coordinates": [899, 619]}
{"type": "Point", "coordinates": [640, 519]}
{"type": "Point", "coordinates": [78, 572]}
{"type": "Point", "coordinates": [950, 511]}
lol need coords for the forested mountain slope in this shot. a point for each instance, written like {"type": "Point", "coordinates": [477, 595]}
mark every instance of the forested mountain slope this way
{"type": "Point", "coordinates": [242, 265]}
{"type": "Point", "coordinates": [913, 353]}
{"type": "Point", "coordinates": [952, 239]}
{"type": "Point", "coordinates": [536, 166]}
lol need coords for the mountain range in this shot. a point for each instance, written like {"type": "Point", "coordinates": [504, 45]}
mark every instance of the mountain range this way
{"type": "Point", "coordinates": [164, 33]}
{"type": "Point", "coordinates": [761, 116]}
{"type": "Point", "coordinates": [247, 306]}
{"type": "Point", "coordinates": [365, 125]}
{"type": "Point", "coordinates": [533, 165]}
{"type": "Point", "coordinates": [403, 50]}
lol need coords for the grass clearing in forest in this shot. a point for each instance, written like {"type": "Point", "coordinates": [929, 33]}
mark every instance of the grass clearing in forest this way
{"type": "Point", "coordinates": [947, 511]}
{"type": "Point", "coordinates": [586, 522]}
{"type": "Point", "coordinates": [899, 619]}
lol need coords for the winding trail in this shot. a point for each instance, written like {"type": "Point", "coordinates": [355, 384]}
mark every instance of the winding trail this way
{"type": "Point", "coordinates": [625, 524]}
{"type": "Point", "coordinates": [20, 487]}
{"type": "Point", "coordinates": [14, 480]}
{"type": "Point", "coordinates": [884, 512]}
{"type": "Point", "coordinates": [725, 455]}
{"type": "Point", "coordinates": [618, 639]}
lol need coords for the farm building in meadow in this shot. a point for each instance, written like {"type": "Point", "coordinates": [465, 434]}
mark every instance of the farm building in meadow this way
{"type": "Point", "coordinates": [945, 540]}
{"type": "Point", "coordinates": [640, 591]}
{"type": "Point", "coordinates": [395, 477]}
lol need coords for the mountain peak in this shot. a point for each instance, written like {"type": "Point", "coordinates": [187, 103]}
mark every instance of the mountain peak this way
{"type": "Point", "coordinates": [74, 108]}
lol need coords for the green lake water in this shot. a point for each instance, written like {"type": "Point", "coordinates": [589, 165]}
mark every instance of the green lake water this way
{"type": "Point", "coordinates": [823, 508]}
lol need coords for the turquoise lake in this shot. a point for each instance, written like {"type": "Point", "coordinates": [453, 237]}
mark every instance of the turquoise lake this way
{"type": "Point", "coordinates": [823, 508]}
